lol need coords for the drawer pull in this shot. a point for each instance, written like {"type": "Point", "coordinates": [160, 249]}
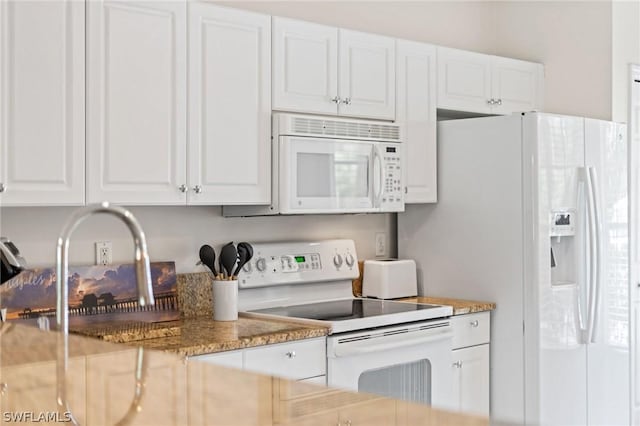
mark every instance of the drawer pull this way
{"type": "Point", "coordinates": [474, 323]}
{"type": "Point", "coordinates": [457, 364]}
{"type": "Point", "coordinates": [291, 354]}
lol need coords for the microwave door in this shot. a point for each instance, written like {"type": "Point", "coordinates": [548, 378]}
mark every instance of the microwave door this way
{"type": "Point", "coordinates": [326, 176]}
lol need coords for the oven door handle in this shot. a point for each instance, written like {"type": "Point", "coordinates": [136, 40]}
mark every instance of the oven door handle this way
{"type": "Point", "coordinates": [390, 342]}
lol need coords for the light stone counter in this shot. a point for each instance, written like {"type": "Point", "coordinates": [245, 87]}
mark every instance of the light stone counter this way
{"type": "Point", "coordinates": [101, 387]}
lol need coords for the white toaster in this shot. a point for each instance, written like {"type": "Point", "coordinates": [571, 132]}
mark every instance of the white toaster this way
{"type": "Point", "coordinates": [389, 278]}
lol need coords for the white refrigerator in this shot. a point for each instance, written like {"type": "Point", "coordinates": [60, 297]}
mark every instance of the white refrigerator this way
{"type": "Point", "coordinates": [532, 214]}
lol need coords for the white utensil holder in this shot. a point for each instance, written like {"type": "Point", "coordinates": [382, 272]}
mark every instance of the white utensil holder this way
{"type": "Point", "coordinates": [225, 300]}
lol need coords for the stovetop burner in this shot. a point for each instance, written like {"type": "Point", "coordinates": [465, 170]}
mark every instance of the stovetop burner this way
{"type": "Point", "coordinates": [357, 314]}
{"type": "Point", "coordinates": [341, 310]}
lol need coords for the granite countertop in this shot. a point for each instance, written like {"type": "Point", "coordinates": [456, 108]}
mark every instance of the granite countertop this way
{"type": "Point", "coordinates": [202, 335]}
{"type": "Point", "coordinates": [460, 306]}
{"type": "Point", "coordinates": [101, 386]}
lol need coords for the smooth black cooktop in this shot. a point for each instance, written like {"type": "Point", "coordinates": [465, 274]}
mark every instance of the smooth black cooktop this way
{"type": "Point", "coordinates": [342, 310]}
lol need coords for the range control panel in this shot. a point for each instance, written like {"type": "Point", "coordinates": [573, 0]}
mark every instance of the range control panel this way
{"type": "Point", "coordinates": [299, 262]}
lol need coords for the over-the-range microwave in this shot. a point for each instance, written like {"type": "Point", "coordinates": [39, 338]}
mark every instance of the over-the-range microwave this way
{"type": "Point", "coordinates": [332, 165]}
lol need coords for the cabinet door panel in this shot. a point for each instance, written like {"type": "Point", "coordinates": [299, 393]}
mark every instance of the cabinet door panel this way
{"type": "Point", "coordinates": [416, 112]}
{"type": "Point", "coordinates": [367, 75]}
{"type": "Point", "coordinates": [230, 106]}
{"type": "Point", "coordinates": [464, 80]}
{"type": "Point", "coordinates": [137, 102]}
{"type": "Point", "coordinates": [471, 379]}
{"type": "Point", "coordinates": [305, 66]}
{"type": "Point", "coordinates": [42, 103]}
{"type": "Point", "coordinates": [516, 85]}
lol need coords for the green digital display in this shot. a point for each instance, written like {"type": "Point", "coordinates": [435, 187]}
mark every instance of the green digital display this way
{"type": "Point", "coordinates": [300, 259]}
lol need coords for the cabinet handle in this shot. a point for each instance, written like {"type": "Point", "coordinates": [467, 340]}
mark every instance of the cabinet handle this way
{"type": "Point", "coordinates": [291, 354]}
{"type": "Point", "coordinates": [491, 101]}
{"type": "Point", "coordinates": [457, 364]}
{"type": "Point", "coordinates": [2, 187]}
{"type": "Point", "coordinates": [336, 100]}
{"type": "Point", "coordinates": [197, 189]}
{"type": "Point", "coordinates": [183, 188]}
{"type": "Point", "coordinates": [499, 101]}
{"type": "Point", "coordinates": [474, 323]}
{"type": "Point", "coordinates": [347, 101]}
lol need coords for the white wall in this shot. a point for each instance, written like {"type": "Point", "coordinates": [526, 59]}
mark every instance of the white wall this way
{"type": "Point", "coordinates": [176, 233]}
{"type": "Point", "coordinates": [573, 40]}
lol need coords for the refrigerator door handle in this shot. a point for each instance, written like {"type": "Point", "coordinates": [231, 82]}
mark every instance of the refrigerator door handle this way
{"type": "Point", "coordinates": [582, 173]}
{"type": "Point", "coordinates": [591, 226]}
{"type": "Point", "coordinates": [594, 302]}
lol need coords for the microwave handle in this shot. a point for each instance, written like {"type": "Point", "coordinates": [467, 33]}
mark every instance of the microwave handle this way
{"type": "Point", "coordinates": [379, 179]}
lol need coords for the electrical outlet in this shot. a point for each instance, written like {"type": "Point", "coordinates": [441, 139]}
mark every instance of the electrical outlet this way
{"type": "Point", "coordinates": [103, 253]}
{"type": "Point", "coordinates": [381, 244]}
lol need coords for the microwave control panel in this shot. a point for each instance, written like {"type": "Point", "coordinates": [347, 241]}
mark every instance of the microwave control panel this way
{"type": "Point", "coordinates": [392, 198]}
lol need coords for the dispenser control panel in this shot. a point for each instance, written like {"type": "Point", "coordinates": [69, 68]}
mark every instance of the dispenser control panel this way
{"type": "Point", "coordinates": [563, 223]}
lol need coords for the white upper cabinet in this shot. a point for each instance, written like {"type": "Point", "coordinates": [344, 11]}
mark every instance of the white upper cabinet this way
{"type": "Point", "coordinates": [464, 80]}
{"type": "Point", "coordinates": [416, 112]}
{"type": "Point", "coordinates": [42, 103]}
{"type": "Point", "coordinates": [367, 78]}
{"type": "Point", "coordinates": [326, 70]}
{"type": "Point", "coordinates": [305, 67]}
{"type": "Point", "coordinates": [516, 85]}
{"type": "Point", "coordinates": [229, 106]}
{"type": "Point", "coordinates": [474, 82]}
{"type": "Point", "coordinates": [136, 67]}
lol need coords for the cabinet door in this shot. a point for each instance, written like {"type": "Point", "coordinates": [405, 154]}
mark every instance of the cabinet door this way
{"type": "Point", "coordinates": [32, 388]}
{"type": "Point", "coordinates": [42, 103]}
{"type": "Point", "coordinates": [471, 379]}
{"type": "Point", "coordinates": [367, 77]}
{"type": "Point", "coordinates": [230, 106]}
{"type": "Point", "coordinates": [111, 388]}
{"type": "Point", "coordinates": [516, 85]}
{"type": "Point", "coordinates": [305, 67]}
{"type": "Point", "coordinates": [137, 102]}
{"type": "Point", "coordinates": [416, 112]}
{"type": "Point", "coordinates": [464, 81]}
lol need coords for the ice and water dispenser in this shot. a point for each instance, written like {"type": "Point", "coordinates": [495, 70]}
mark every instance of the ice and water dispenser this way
{"type": "Point", "coordinates": [564, 254]}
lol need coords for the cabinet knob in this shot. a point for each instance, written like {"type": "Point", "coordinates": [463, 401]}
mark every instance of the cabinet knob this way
{"type": "Point", "coordinates": [183, 188]}
{"type": "Point", "coordinates": [491, 101]}
{"type": "Point", "coordinates": [4, 389]}
{"type": "Point", "coordinates": [457, 364]}
{"type": "Point", "coordinates": [474, 323]}
{"type": "Point", "coordinates": [347, 423]}
{"type": "Point", "coordinates": [499, 101]}
{"type": "Point", "coordinates": [2, 187]}
{"type": "Point", "coordinates": [336, 100]}
{"type": "Point", "coordinates": [291, 354]}
{"type": "Point", "coordinates": [197, 189]}
{"type": "Point", "coordinates": [347, 101]}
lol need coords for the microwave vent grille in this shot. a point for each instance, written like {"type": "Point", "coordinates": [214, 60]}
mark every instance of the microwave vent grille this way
{"type": "Point", "coordinates": [346, 129]}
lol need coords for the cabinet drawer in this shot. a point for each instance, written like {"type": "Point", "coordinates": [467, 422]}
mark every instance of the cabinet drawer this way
{"type": "Point", "coordinates": [295, 360]}
{"type": "Point", "coordinates": [470, 329]}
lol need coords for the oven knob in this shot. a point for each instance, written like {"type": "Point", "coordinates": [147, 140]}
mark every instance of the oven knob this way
{"type": "Point", "coordinates": [337, 260]}
{"type": "Point", "coordinates": [247, 267]}
{"type": "Point", "coordinates": [349, 259]}
{"type": "Point", "coordinates": [261, 264]}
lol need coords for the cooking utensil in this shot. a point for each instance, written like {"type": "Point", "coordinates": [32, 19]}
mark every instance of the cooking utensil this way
{"type": "Point", "coordinates": [228, 258]}
{"type": "Point", "coordinates": [208, 257]}
{"type": "Point", "coordinates": [245, 253]}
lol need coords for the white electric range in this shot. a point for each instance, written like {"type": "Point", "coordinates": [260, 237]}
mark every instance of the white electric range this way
{"type": "Point", "coordinates": [396, 349]}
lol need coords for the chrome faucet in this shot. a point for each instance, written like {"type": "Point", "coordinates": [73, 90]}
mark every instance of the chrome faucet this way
{"type": "Point", "coordinates": [143, 275]}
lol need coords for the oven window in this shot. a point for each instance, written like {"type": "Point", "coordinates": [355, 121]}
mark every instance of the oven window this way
{"type": "Point", "coordinates": [409, 382]}
{"type": "Point", "coordinates": [341, 175]}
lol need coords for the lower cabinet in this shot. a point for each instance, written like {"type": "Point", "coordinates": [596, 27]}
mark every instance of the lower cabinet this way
{"type": "Point", "coordinates": [471, 363]}
{"type": "Point", "coordinates": [34, 385]}
{"type": "Point", "coordinates": [113, 385]}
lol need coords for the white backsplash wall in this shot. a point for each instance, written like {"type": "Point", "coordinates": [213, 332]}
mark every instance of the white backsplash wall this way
{"type": "Point", "coordinates": [176, 233]}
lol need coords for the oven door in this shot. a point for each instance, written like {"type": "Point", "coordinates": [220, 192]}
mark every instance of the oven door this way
{"type": "Point", "coordinates": [328, 175]}
{"type": "Point", "coordinates": [411, 362]}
